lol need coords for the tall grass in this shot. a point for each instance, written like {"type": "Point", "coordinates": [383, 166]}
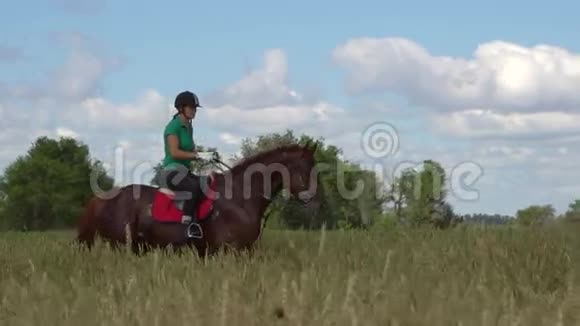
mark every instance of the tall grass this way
{"type": "Point", "coordinates": [466, 276]}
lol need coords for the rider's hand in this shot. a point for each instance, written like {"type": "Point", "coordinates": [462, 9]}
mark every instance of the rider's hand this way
{"type": "Point", "coordinates": [205, 155]}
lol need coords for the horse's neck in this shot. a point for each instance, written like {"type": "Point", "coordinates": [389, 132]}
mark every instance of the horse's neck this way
{"type": "Point", "coordinates": [260, 197]}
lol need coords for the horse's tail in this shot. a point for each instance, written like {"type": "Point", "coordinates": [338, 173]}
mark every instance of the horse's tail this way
{"type": "Point", "coordinates": [87, 226]}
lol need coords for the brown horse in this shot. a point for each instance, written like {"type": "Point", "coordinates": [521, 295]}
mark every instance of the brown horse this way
{"type": "Point", "coordinates": [241, 196]}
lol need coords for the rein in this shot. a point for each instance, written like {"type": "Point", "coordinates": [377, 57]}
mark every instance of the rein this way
{"type": "Point", "coordinates": [216, 159]}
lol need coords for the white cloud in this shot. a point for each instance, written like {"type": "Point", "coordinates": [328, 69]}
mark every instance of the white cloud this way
{"type": "Point", "coordinates": [274, 118]}
{"type": "Point", "coordinates": [263, 87]}
{"type": "Point", "coordinates": [504, 91]}
{"type": "Point", "coordinates": [66, 132]}
{"type": "Point", "coordinates": [80, 76]}
{"type": "Point", "coordinates": [263, 101]}
{"type": "Point", "coordinates": [230, 139]}
{"type": "Point", "coordinates": [486, 123]}
{"type": "Point", "coordinates": [67, 102]}
{"type": "Point", "coordinates": [504, 155]}
{"type": "Point", "coordinates": [149, 111]}
{"type": "Point", "coordinates": [563, 150]}
{"type": "Point", "coordinates": [501, 75]}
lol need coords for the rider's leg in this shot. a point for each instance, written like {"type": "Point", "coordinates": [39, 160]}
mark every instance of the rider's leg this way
{"type": "Point", "coordinates": [191, 184]}
{"type": "Point", "coordinates": [180, 180]}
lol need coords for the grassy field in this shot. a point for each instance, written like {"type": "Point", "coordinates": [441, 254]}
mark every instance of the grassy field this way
{"type": "Point", "coordinates": [459, 277]}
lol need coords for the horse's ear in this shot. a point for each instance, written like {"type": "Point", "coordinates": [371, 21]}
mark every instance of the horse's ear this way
{"type": "Point", "coordinates": [310, 148]}
{"type": "Point", "coordinates": [315, 147]}
{"type": "Point", "coordinates": [306, 147]}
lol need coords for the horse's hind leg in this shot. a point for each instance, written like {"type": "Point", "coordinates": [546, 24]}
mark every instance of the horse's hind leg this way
{"type": "Point", "coordinates": [87, 226]}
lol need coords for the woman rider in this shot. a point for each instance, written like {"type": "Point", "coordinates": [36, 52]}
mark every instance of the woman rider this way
{"type": "Point", "coordinates": [179, 153]}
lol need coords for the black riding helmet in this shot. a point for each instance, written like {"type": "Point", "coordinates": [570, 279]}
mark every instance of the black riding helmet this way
{"type": "Point", "coordinates": [186, 98]}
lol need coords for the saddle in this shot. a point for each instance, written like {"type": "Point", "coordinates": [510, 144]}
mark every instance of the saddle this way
{"type": "Point", "coordinates": [167, 205]}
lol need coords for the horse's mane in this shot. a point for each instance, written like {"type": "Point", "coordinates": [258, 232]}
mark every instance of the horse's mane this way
{"type": "Point", "coordinates": [265, 154]}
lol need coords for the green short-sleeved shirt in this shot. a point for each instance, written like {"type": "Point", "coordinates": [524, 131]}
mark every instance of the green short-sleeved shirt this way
{"type": "Point", "coordinates": [184, 134]}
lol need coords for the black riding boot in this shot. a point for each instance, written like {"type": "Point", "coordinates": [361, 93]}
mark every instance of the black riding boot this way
{"type": "Point", "coordinates": [190, 209]}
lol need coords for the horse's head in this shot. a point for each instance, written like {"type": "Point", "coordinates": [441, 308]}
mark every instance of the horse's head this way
{"type": "Point", "coordinates": [303, 175]}
{"type": "Point", "coordinates": [288, 167]}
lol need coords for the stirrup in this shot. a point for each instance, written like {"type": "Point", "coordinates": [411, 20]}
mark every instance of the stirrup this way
{"type": "Point", "coordinates": [194, 231]}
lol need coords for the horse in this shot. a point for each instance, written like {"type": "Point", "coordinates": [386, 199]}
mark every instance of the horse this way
{"type": "Point", "coordinates": [231, 208]}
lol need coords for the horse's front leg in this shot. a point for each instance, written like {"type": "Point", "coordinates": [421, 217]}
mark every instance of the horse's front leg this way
{"type": "Point", "coordinates": [235, 227]}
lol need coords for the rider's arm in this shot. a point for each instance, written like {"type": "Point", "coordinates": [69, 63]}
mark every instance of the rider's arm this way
{"type": "Point", "coordinates": [175, 152]}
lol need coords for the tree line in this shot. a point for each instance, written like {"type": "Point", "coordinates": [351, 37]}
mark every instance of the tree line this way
{"type": "Point", "coordinates": [47, 187]}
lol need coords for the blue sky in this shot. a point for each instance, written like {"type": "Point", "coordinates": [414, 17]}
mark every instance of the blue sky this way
{"type": "Point", "coordinates": [127, 56]}
{"type": "Point", "coordinates": [215, 40]}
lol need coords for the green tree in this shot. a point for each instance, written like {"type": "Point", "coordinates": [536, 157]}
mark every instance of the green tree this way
{"type": "Point", "coordinates": [366, 206]}
{"type": "Point", "coordinates": [420, 196]}
{"type": "Point", "coordinates": [261, 143]}
{"type": "Point", "coordinates": [574, 207]}
{"type": "Point", "coordinates": [573, 212]}
{"type": "Point", "coordinates": [535, 215]}
{"type": "Point", "coordinates": [48, 186]}
{"type": "Point", "coordinates": [3, 219]}
{"type": "Point", "coordinates": [443, 216]}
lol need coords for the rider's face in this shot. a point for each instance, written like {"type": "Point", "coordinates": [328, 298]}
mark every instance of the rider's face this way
{"type": "Point", "coordinates": [189, 112]}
